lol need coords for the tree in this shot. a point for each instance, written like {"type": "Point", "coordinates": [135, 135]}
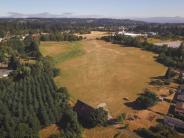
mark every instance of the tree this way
{"type": "Point", "coordinates": [45, 64]}
{"type": "Point", "coordinates": [2, 34]}
{"type": "Point", "coordinates": [3, 56]}
{"type": "Point", "coordinates": [28, 40]}
{"type": "Point", "coordinates": [34, 123]}
{"type": "Point", "coordinates": [23, 131]}
{"type": "Point", "coordinates": [147, 99]}
{"type": "Point", "coordinates": [17, 45]}
{"type": "Point", "coordinates": [33, 50]}
{"type": "Point", "coordinates": [99, 116]}
{"type": "Point", "coordinates": [159, 131]}
{"type": "Point", "coordinates": [121, 117]}
{"type": "Point", "coordinates": [56, 72]}
{"type": "Point", "coordinates": [62, 98]}
{"type": "Point", "coordinates": [70, 125]}
{"type": "Point", "coordinates": [23, 71]}
{"type": "Point", "coordinates": [14, 63]}
{"type": "Point", "coordinates": [170, 73]}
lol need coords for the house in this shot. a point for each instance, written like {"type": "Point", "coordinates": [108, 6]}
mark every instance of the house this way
{"type": "Point", "coordinates": [83, 109]}
{"type": "Point", "coordinates": [179, 108]}
{"type": "Point", "coordinates": [180, 97]}
{"type": "Point", "coordinates": [174, 122]}
{"type": "Point", "coordinates": [4, 73]}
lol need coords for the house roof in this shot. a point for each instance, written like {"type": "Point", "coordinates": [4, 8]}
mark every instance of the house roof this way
{"type": "Point", "coordinates": [180, 106]}
{"type": "Point", "coordinates": [82, 108]}
{"type": "Point", "coordinates": [174, 122]}
{"type": "Point", "coordinates": [180, 97]}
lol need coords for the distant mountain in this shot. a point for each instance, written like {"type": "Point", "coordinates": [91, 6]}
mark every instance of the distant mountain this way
{"type": "Point", "coordinates": [176, 19]}
{"type": "Point", "coordinates": [37, 15]}
{"type": "Point", "coordinates": [161, 19]}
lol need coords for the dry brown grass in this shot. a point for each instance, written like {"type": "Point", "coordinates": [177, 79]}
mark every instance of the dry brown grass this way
{"type": "Point", "coordinates": [106, 73]}
{"type": "Point", "coordinates": [94, 35]}
{"type": "Point", "coordinates": [50, 130]}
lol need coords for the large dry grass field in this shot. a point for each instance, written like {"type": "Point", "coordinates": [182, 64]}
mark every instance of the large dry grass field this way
{"type": "Point", "coordinates": [98, 72]}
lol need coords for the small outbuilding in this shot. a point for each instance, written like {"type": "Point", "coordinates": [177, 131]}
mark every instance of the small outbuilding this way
{"type": "Point", "coordinates": [4, 73]}
{"type": "Point", "coordinates": [83, 109]}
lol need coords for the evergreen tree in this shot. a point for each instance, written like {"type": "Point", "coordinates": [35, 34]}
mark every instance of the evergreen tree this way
{"type": "Point", "coordinates": [14, 63]}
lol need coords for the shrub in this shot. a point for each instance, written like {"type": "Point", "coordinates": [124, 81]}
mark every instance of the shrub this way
{"type": "Point", "coordinates": [147, 99]}
{"type": "Point", "coordinates": [99, 116]}
{"type": "Point", "coordinates": [160, 131]}
{"type": "Point", "coordinates": [121, 117]}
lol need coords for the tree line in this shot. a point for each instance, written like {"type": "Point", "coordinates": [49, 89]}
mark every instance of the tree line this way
{"type": "Point", "coordinates": [60, 37]}
{"type": "Point", "coordinates": [164, 30]}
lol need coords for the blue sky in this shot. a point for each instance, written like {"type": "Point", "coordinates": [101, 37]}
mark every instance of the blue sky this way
{"type": "Point", "coordinates": [106, 8]}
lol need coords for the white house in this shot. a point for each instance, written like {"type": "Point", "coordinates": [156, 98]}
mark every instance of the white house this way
{"type": "Point", "coordinates": [4, 73]}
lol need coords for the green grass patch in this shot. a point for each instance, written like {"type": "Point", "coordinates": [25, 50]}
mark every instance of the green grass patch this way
{"type": "Point", "coordinates": [74, 50]}
{"type": "Point", "coordinates": [62, 51]}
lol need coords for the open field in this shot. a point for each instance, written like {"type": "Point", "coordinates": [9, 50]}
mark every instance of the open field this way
{"type": "Point", "coordinates": [100, 72]}
{"type": "Point", "coordinates": [94, 35]}
{"type": "Point", "coordinates": [105, 73]}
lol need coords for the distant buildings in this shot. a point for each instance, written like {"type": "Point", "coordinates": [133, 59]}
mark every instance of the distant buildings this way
{"type": "Point", "coordinates": [173, 44]}
{"type": "Point", "coordinates": [131, 34]}
{"type": "Point", "coordinates": [152, 33]}
{"type": "Point", "coordinates": [178, 112]}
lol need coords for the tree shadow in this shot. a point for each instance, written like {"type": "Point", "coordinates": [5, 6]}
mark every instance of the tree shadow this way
{"type": "Point", "coordinates": [158, 77]}
{"type": "Point", "coordinates": [133, 105]}
{"type": "Point", "coordinates": [160, 120]}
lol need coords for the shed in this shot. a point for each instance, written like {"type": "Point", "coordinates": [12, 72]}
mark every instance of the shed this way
{"type": "Point", "coordinates": [83, 109]}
